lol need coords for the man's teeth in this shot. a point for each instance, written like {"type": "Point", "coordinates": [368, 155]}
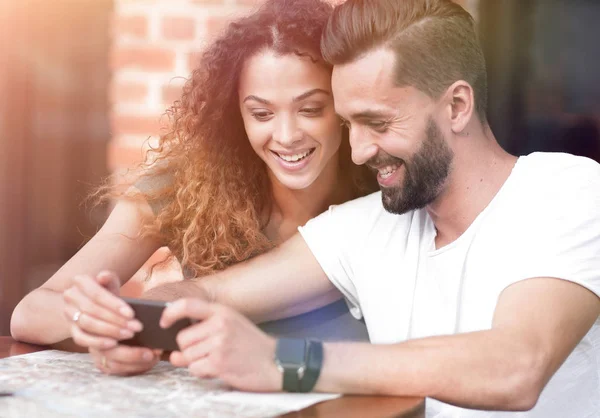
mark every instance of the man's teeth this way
{"type": "Point", "coordinates": [387, 171]}
{"type": "Point", "coordinates": [294, 157]}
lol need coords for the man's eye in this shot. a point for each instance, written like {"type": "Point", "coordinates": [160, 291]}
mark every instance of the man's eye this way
{"type": "Point", "coordinates": [378, 125]}
{"type": "Point", "coordinates": [312, 111]}
{"type": "Point", "coordinates": [261, 115]}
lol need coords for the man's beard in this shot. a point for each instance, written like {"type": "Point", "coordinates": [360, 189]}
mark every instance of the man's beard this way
{"type": "Point", "coordinates": [425, 174]}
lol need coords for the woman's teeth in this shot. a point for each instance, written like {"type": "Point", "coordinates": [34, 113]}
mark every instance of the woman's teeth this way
{"type": "Point", "coordinates": [387, 171]}
{"type": "Point", "coordinates": [293, 158]}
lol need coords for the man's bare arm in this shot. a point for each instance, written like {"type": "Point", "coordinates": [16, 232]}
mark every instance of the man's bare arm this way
{"type": "Point", "coordinates": [537, 324]}
{"type": "Point", "coordinates": [283, 282]}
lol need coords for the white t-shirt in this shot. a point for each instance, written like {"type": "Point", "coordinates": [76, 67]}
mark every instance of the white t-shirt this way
{"type": "Point", "coordinates": [544, 222]}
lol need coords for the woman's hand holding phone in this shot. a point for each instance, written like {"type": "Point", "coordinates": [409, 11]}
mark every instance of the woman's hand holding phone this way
{"type": "Point", "coordinates": [124, 360]}
{"type": "Point", "coordinates": [100, 319]}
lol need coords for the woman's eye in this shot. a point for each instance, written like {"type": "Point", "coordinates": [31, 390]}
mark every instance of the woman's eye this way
{"type": "Point", "coordinates": [261, 115]}
{"type": "Point", "coordinates": [312, 111]}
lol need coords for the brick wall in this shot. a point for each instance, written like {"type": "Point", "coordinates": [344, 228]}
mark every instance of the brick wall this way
{"type": "Point", "coordinates": [154, 42]}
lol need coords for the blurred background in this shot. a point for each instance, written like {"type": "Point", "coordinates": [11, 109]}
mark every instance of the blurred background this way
{"type": "Point", "coordinates": [83, 85]}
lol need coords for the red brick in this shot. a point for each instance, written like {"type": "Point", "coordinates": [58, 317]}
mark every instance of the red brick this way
{"type": "Point", "coordinates": [216, 24]}
{"type": "Point", "coordinates": [146, 59]}
{"type": "Point", "coordinates": [137, 125]}
{"type": "Point", "coordinates": [136, 26]}
{"type": "Point", "coordinates": [171, 93]}
{"type": "Point", "coordinates": [128, 92]}
{"type": "Point", "coordinates": [209, 1]}
{"type": "Point", "coordinates": [250, 2]}
{"type": "Point", "coordinates": [178, 28]}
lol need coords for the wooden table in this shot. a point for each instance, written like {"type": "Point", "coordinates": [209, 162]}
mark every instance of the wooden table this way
{"type": "Point", "coordinates": [346, 406]}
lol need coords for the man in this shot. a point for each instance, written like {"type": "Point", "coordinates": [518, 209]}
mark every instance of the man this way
{"type": "Point", "coordinates": [477, 273]}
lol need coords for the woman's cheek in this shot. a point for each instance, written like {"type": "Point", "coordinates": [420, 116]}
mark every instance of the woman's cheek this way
{"type": "Point", "coordinates": [258, 135]}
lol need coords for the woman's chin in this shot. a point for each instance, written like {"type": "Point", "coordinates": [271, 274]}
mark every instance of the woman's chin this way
{"type": "Point", "coordinates": [296, 181]}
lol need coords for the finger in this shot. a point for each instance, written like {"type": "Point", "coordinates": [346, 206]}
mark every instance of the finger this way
{"type": "Point", "coordinates": [128, 354]}
{"type": "Point", "coordinates": [75, 301]}
{"type": "Point", "coordinates": [177, 359]}
{"type": "Point", "coordinates": [185, 308]}
{"type": "Point", "coordinates": [102, 296]}
{"type": "Point", "coordinates": [196, 333]}
{"type": "Point", "coordinates": [109, 281]}
{"type": "Point", "coordinates": [203, 368]}
{"type": "Point", "coordinates": [129, 368]}
{"type": "Point", "coordinates": [94, 326]}
{"type": "Point", "coordinates": [198, 351]}
{"type": "Point", "coordinates": [69, 309]}
{"type": "Point", "coordinates": [125, 360]}
{"type": "Point", "coordinates": [83, 303]}
{"type": "Point", "coordinates": [123, 369]}
{"type": "Point", "coordinates": [84, 339]}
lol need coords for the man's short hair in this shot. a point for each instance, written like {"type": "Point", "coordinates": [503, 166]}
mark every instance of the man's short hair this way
{"type": "Point", "coordinates": [434, 41]}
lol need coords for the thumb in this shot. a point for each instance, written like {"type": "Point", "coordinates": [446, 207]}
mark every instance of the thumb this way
{"type": "Point", "coordinates": [110, 281]}
{"type": "Point", "coordinates": [193, 308]}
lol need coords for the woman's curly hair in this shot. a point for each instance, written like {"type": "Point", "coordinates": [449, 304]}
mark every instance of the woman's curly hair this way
{"type": "Point", "coordinates": [216, 202]}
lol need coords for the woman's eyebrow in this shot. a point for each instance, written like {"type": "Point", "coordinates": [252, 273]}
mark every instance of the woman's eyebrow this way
{"type": "Point", "coordinates": [257, 99]}
{"type": "Point", "coordinates": [295, 99]}
{"type": "Point", "coordinates": [310, 93]}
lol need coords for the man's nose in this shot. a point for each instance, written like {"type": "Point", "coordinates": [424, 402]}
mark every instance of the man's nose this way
{"type": "Point", "coordinates": [362, 147]}
{"type": "Point", "coordinates": [286, 131]}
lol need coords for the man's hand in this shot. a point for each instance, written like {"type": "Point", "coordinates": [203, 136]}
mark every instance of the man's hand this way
{"type": "Point", "coordinates": [176, 290]}
{"type": "Point", "coordinates": [223, 344]}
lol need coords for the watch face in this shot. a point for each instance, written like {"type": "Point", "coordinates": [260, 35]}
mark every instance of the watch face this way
{"type": "Point", "coordinates": [290, 353]}
{"type": "Point", "coordinates": [300, 362]}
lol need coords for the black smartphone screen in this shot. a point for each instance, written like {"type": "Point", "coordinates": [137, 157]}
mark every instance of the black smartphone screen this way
{"type": "Point", "coordinates": [148, 312]}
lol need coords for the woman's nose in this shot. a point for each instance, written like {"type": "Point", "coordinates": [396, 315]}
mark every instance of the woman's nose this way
{"type": "Point", "coordinates": [286, 132]}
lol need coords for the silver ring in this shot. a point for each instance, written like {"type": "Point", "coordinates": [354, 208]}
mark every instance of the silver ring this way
{"type": "Point", "coordinates": [76, 316]}
{"type": "Point", "coordinates": [104, 364]}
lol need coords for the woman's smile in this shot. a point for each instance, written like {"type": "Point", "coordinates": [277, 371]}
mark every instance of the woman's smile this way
{"type": "Point", "coordinates": [294, 161]}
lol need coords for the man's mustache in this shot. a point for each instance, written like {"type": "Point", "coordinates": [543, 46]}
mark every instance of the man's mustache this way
{"type": "Point", "coordinates": [382, 160]}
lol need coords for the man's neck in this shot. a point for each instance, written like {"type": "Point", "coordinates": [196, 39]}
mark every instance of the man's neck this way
{"type": "Point", "coordinates": [480, 169]}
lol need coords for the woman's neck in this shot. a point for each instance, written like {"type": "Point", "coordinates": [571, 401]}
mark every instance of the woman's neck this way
{"type": "Point", "coordinates": [292, 208]}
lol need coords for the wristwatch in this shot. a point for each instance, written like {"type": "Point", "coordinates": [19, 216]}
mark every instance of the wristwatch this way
{"type": "Point", "coordinates": [289, 358]}
{"type": "Point", "coordinates": [300, 362]}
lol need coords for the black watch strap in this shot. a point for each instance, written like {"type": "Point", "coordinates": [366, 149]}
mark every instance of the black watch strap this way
{"type": "Point", "coordinates": [314, 362]}
{"type": "Point", "coordinates": [290, 380]}
{"type": "Point", "coordinates": [290, 357]}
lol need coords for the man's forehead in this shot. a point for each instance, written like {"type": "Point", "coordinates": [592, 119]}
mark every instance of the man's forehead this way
{"type": "Point", "coordinates": [370, 72]}
{"type": "Point", "coordinates": [367, 83]}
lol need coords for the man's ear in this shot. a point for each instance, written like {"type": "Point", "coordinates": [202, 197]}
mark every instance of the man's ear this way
{"type": "Point", "coordinates": [461, 102]}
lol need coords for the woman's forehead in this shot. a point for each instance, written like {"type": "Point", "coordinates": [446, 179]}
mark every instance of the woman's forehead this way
{"type": "Point", "coordinates": [268, 71]}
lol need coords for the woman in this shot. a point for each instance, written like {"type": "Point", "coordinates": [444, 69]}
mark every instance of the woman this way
{"type": "Point", "coordinates": [255, 150]}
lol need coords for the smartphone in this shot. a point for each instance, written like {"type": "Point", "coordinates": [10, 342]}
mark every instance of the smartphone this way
{"type": "Point", "coordinates": [148, 312]}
